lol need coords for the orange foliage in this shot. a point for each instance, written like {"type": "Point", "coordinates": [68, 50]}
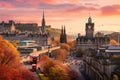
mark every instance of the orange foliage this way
{"type": "Point", "coordinates": [58, 73]}
{"type": "Point", "coordinates": [55, 70]}
{"type": "Point", "coordinates": [9, 73]}
{"type": "Point", "coordinates": [113, 42]}
{"type": "Point", "coordinates": [47, 65]}
{"type": "Point", "coordinates": [8, 53]}
{"type": "Point", "coordinates": [72, 44]}
{"type": "Point", "coordinates": [43, 61]}
{"type": "Point", "coordinates": [10, 63]}
{"type": "Point", "coordinates": [60, 54]}
{"type": "Point", "coordinates": [65, 46]}
{"type": "Point", "coordinates": [55, 42]}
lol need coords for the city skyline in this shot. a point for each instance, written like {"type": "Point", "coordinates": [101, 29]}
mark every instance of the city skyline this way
{"type": "Point", "coordinates": [71, 13]}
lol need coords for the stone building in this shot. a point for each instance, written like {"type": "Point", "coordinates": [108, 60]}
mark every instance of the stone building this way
{"type": "Point", "coordinates": [89, 40]}
{"type": "Point", "coordinates": [104, 64]}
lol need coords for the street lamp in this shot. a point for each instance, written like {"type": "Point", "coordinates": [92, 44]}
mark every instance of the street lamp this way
{"type": "Point", "coordinates": [49, 51]}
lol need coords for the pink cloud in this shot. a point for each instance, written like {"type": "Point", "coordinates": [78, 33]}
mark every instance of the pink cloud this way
{"type": "Point", "coordinates": [110, 10]}
{"type": "Point", "coordinates": [6, 4]}
{"type": "Point", "coordinates": [34, 2]}
{"type": "Point", "coordinates": [82, 8]}
{"type": "Point", "coordinates": [91, 4]}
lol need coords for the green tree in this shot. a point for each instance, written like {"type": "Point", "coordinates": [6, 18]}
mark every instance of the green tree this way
{"type": "Point", "coordinates": [79, 52]}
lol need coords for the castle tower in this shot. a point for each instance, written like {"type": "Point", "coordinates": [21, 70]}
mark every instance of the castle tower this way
{"type": "Point", "coordinates": [43, 24]}
{"type": "Point", "coordinates": [12, 27]}
{"type": "Point", "coordinates": [89, 28]}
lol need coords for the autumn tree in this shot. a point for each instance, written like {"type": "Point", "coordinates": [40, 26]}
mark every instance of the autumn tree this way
{"type": "Point", "coordinates": [55, 70]}
{"type": "Point", "coordinates": [60, 54]}
{"type": "Point", "coordinates": [73, 75]}
{"type": "Point", "coordinates": [10, 66]}
{"type": "Point", "coordinates": [10, 73]}
{"type": "Point", "coordinates": [113, 42]}
{"type": "Point", "coordinates": [47, 65]}
{"type": "Point", "coordinates": [8, 53]}
{"type": "Point", "coordinates": [58, 73]}
{"type": "Point", "coordinates": [65, 46]}
{"type": "Point", "coordinates": [72, 44]}
{"type": "Point", "coordinates": [55, 41]}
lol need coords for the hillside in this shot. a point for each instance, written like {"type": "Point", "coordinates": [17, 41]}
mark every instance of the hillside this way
{"type": "Point", "coordinates": [56, 33]}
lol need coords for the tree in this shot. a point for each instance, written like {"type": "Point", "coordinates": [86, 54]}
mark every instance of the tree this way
{"type": "Point", "coordinates": [58, 73]}
{"type": "Point", "coordinates": [8, 53]}
{"type": "Point", "coordinates": [65, 46]}
{"type": "Point", "coordinates": [73, 74]}
{"type": "Point", "coordinates": [55, 42]}
{"type": "Point", "coordinates": [10, 66]}
{"type": "Point", "coordinates": [10, 73]}
{"type": "Point", "coordinates": [79, 52]}
{"type": "Point", "coordinates": [113, 42]}
{"type": "Point", "coordinates": [55, 70]}
{"type": "Point", "coordinates": [47, 65]}
{"type": "Point", "coordinates": [60, 54]}
{"type": "Point", "coordinates": [72, 44]}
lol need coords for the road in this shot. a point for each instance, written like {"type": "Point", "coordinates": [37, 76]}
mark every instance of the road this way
{"type": "Point", "coordinates": [25, 60]}
{"type": "Point", "coordinates": [75, 64]}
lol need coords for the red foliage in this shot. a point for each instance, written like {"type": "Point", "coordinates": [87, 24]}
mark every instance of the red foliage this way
{"type": "Point", "coordinates": [10, 63]}
{"type": "Point", "coordinates": [9, 54]}
{"type": "Point", "coordinates": [73, 74]}
{"type": "Point", "coordinates": [9, 73]}
{"type": "Point", "coordinates": [65, 46]}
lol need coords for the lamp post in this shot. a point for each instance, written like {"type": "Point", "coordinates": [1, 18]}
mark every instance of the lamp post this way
{"type": "Point", "coordinates": [49, 52]}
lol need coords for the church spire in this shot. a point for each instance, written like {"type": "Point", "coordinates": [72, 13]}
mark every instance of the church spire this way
{"type": "Point", "coordinates": [64, 30]}
{"type": "Point", "coordinates": [63, 38]}
{"type": "Point", "coordinates": [43, 23]}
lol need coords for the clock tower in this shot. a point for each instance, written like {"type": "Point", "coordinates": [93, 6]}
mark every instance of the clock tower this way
{"type": "Point", "coordinates": [89, 28]}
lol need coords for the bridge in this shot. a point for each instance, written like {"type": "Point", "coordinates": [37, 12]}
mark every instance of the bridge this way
{"type": "Point", "coordinates": [39, 53]}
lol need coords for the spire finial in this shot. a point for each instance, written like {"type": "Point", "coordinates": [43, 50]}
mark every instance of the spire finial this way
{"type": "Point", "coordinates": [43, 14]}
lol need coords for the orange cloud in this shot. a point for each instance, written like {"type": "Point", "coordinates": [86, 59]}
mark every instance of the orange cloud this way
{"type": "Point", "coordinates": [110, 10]}
{"type": "Point", "coordinates": [6, 4]}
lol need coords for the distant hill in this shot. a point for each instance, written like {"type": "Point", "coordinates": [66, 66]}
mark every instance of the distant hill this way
{"type": "Point", "coordinates": [56, 33]}
{"type": "Point", "coordinates": [105, 32]}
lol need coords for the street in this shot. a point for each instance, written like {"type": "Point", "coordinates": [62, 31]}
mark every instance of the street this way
{"type": "Point", "coordinates": [75, 64]}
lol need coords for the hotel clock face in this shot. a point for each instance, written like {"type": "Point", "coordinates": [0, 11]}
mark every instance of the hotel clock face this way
{"type": "Point", "coordinates": [89, 27]}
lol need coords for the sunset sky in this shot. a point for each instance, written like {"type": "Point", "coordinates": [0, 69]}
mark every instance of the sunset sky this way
{"type": "Point", "coordinates": [71, 13]}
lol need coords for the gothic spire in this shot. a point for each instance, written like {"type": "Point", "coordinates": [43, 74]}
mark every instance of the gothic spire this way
{"type": "Point", "coordinates": [64, 30]}
{"type": "Point", "coordinates": [43, 23]}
